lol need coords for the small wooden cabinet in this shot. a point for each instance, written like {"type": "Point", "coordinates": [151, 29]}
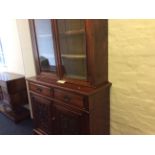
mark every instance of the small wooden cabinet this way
{"type": "Point", "coordinates": [70, 93]}
{"type": "Point", "coordinates": [13, 96]}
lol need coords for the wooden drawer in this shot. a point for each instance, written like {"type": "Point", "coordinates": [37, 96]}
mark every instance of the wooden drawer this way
{"type": "Point", "coordinates": [69, 98]}
{"type": "Point", "coordinates": [42, 90]}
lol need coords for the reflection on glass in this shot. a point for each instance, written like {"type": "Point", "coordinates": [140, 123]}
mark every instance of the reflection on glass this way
{"type": "Point", "coordinates": [45, 44]}
{"type": "Point", "coordinates": [73, 47]}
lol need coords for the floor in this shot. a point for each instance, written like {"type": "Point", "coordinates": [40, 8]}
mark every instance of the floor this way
{"type": "Point", "coordinates": [8, 127]}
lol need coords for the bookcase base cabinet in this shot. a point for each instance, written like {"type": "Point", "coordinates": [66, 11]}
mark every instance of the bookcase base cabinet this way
{"type": "Point", "coordinates": [70, 112]}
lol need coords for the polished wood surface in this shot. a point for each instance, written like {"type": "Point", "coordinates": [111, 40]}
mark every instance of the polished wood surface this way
{"type": "Point", "coordinates": [69, 98]}
{"type": "Point", "coordinates": [97, 51]}
{"type": "Point", "coordinates": [42, 114]}
{"type": "Point", "coordinates": [69, 122]}
{"type": "Point", "coordinates": [91, 110]}
{"type": "Point", "coordinates": [81, 104]}
{"type": "Point", "coordinates": [13, 96]}
{"type": "Point", "coordinates": [66, 86]}
{"type": "Point", "coordinates": [47, 91]}
{"type": "Point", "coordinates": [6, 76]}
{"type": "Point", "coordinates": [96, 38]}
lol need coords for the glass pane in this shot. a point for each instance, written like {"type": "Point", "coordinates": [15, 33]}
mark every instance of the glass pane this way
{"type": "Point", "coordinates": [45, 44]}
{"type": "Point", "coordinates": [73, 47]}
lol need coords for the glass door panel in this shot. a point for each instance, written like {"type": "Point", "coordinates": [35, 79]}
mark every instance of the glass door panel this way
{"type": "Point", "coordinates": [44, 38]}
{"type": "Point", "coordinates": [73, 47]}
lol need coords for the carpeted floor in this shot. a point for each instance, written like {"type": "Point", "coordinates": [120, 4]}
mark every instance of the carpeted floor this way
{"type": "Point", "coordinates": [8, 127]}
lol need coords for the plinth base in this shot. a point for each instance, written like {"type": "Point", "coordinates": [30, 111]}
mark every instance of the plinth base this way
{"type": "Point", "coordinates": [16, 116]}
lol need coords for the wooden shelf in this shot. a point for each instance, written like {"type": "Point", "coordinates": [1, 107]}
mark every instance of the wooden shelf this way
{"type": "Point", "coordinates": [73, 56]}
{"type": "Point", "coordinates": [73, 32]}
{"type": "Point", "coordinates": [76, 77]}
{"type": "Point", "coordinates": [44, 35]}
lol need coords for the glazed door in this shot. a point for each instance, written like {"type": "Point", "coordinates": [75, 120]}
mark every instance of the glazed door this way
{"type": "Point", "coordinates": [45, 45]}
{"type": "Point", "coordinates": [42, 114]}
{"type": "Point", "coordinates": [67, 122]}
{"type": "Point", "coordinates": [72, 43]}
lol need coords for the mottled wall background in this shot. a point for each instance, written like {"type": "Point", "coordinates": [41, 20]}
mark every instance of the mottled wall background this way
{"type": "Point", "coordinates": [132, 73]}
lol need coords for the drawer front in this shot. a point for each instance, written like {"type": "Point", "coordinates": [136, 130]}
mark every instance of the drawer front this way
{"type": "Point", "coordinates": [42, 90]}
{"type": "Point", "coordinates": [69, 98]}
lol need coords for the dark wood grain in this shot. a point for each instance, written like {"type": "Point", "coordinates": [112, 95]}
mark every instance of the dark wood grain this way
{"type": "Point", "coordinates": [69, 122]}
{"type": "Point", "coordinates": [78, 106]}
{"type": "Point", "coordinates": [99, 106]}
{"type": "Point", "coordinates": [47, 91]}
{"type": "Point", "coordinates": [96, 37]}
{"type": "Point", "coordinates": [42, 114]}
{"type": "Point", "coordinates": [34, 46]}
{"type": "Point", "coordinates": [14, 96]}
{"type": "Point", "coordinates": [97, 51]}
{"type": "Point", "coordinates": [57, 48]}
{"type": "Point", "coordinates": [69, 98]}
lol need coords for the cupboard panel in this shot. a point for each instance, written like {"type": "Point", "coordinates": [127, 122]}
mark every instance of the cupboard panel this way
{"type": "Point", "coordinates": [42, 114]}
{"type": "Point", "coordinates": [67, 122]}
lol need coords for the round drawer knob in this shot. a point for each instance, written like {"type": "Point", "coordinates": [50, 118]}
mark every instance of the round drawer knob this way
{"type": "Point", "coordinates": [67, 98]}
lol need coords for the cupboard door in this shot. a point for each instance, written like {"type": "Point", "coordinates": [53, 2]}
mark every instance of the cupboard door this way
{"type": "Point", "coordinates": [42, 114]}
{"type": "Point", "coordinates": [45, 45]}
{"type": "Point", "coordinates": [72, 42]}
{"type": "Point", "coordinates": [67, 122]}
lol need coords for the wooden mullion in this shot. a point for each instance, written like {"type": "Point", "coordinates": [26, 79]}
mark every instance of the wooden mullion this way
{"type": "Point", "coordinates": [57, 47]}
{"type": "Point", "coordinates": [34, 46]}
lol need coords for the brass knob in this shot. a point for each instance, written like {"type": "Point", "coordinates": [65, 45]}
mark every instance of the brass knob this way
{"type": "Point", "coordinates": [53, 118]}
{"type": "Point", "coordinates": [66, 98]}
{"type": "Point", "coordinates": [39, 89]}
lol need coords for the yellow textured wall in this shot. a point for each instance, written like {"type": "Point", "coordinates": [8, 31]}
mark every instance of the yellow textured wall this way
{"type": "Point", "coordinates": [132, 73]}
